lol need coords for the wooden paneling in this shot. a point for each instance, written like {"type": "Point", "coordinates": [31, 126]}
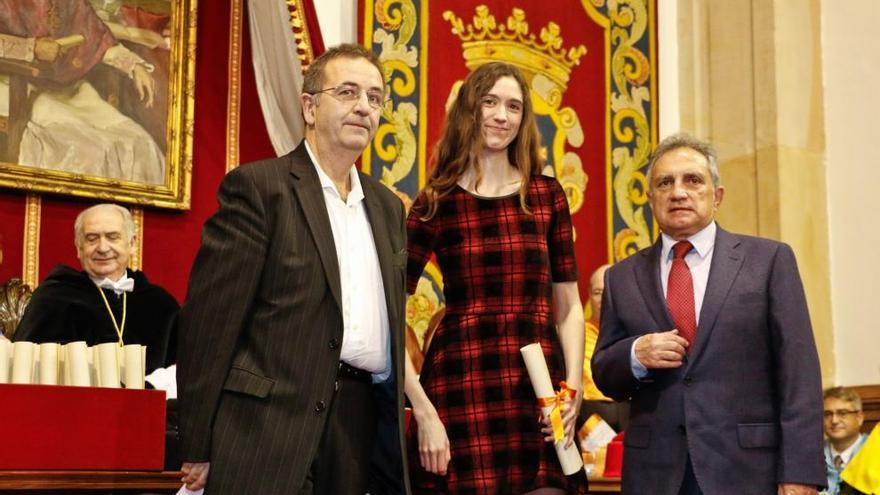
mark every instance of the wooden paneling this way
{"type": "Point", "coordinates": [870, 395]}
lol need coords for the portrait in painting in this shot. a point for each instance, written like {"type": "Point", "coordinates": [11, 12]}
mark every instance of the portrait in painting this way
{"type": "Point", "coordinates": [87, 97]}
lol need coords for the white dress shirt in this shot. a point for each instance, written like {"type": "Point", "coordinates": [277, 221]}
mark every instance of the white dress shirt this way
{"type": "Point", "coordinates": [698, 260]}
{"type": "Point", "coordinates": [366, 330]}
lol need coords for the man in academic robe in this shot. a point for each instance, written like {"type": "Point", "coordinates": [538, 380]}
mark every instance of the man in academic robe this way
{"type": "Point", "coordinates": [106, 301]}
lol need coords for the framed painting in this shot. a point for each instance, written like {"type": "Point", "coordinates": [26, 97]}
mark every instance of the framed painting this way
{"type": "Point", "coordinates": [96, 98]}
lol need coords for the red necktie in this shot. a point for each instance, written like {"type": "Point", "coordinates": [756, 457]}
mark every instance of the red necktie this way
{"type": "Point", "coordinates": [680, 293]}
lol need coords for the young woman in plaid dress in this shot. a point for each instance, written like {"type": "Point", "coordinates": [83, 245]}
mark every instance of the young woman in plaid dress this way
{"type": "Point", "coordinates": [502, 236]}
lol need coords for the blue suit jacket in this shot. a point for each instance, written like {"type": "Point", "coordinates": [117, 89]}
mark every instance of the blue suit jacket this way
{"type": "Point", "coordinates": [747, 404]}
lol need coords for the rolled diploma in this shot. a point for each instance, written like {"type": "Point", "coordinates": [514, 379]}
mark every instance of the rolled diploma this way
{"type": "Point", "coordinates": [569, 457]}
{"type": "Point", "coordinates": [107, 364]}
{"type": "Point", "coordinates": [134, 366]}
{"type": "Point", "coordinates": [77, 364]}
{"type": "Point", "coordinates": [49, 363]}
{"type": "Point", "coordinates": [23, 362]}
{"type": "Point", "coordinates": [5, 359]}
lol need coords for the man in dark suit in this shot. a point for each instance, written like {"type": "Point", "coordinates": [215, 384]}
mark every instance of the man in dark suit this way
{"type": "Point", "coordinates": [708, 333]}
{"type": "Point", "coordinates": [291, 343]}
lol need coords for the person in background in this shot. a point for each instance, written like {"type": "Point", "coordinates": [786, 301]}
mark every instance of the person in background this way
{"type": "Point", "coordinates": [502, 236]}
{"type": "Point", "coordinates": [708, 333]}
{"type": "Point", "coordinates": [106, 301]}
{"type": "Point", "coordinates": [843, 421]}
{"type": "Point", "coordinates": [614, 413]}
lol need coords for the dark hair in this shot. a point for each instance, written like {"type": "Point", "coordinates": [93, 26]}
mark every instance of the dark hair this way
{"type": "Point", "coordinates": [313, 79]}
{"type": "Point", "coordinates": [682, 140]}
{"type": "Point", "coordinates": [462, 139]}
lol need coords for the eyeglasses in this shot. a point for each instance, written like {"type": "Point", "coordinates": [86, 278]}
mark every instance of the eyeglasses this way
{"type": "Point", "coordinates": [352, 92]}
{"type": "Point", "coordinates": [842, 414]}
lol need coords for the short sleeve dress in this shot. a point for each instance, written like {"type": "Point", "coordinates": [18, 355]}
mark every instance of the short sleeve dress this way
{"type": "Point", "coordinates": [498, 264]}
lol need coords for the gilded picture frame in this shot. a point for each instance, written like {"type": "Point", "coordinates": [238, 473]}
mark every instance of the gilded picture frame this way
{"type": "Point", "coordinates": [97, 99]}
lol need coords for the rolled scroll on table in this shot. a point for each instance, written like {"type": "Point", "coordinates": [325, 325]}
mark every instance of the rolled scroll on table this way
{"type": "Point", "coordinates": [569, 457]}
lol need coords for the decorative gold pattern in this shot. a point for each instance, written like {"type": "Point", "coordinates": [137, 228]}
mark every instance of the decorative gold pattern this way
{"type": "Point", "coordinates": [301, 33]}
{"type": "Point", "coordinates": [485, 40]}
{"type": "Point", "coordinates": [30, 269]}
{"type": "Point", "coordinates": [175, 192]}
{"type": "Point", "coordinates": [399, 60]}
{"type": "Point", "coordinates": [136, 261]}
{"type": "Point", "coordinates": [233, 96]}
{"type": "Point", "coordinates": [632, 130]}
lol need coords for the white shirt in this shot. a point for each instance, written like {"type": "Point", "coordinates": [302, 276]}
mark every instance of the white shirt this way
{"type": "Point", "coordinates": [698, 260]}
{"type": "Point", "coordinates": [847, 453]}
{"type": "Point", "coordinates": [366, 330]}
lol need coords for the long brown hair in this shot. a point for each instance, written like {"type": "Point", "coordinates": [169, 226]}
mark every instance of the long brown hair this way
{"type": "Point", "coordinates": [462, 139]}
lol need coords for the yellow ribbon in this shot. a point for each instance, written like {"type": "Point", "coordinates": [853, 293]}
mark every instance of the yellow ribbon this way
{"type": "Point", "coordinates": [558, 403]}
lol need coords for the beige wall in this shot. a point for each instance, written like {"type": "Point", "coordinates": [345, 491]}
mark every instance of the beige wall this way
{"type": "Point", "coordinates": [770, 82]}
{"type": "Point", "coordinates": [851, 76]}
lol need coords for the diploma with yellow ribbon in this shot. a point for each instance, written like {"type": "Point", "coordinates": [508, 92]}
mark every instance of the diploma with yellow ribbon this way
{"type": "Point", "coordinates": [551, 405]}
{"type": "Point", "coordinates": [556, 403]}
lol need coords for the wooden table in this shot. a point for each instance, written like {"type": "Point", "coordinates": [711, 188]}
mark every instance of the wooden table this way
{"type": "Point", "coordinates": [132, 482]}
{"type": "Point", "coordinates": [90, 482]}
{"type": "Point", "coordinates": [599, 484]}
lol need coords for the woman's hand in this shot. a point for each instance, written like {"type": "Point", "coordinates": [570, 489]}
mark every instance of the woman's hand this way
{"type": "Point", "coordinates": [434, 450]}
{"type": "Point", "coordinates": [572, 406]}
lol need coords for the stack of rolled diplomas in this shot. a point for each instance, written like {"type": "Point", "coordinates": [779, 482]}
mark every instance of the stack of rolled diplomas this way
{"type": "Point", "coordinates": [103, 365]}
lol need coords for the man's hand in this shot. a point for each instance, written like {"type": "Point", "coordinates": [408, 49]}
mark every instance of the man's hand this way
{"type": "Point", "coordinates": [46, 49]}
{"type": "Point", "coordinates": [195, 475]}
{"type": "Point", "coordinates": [795, 489]}
{"type": "Point", "coordinates": [661, 350]}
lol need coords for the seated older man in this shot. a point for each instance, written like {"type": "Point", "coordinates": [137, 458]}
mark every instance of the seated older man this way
{"type": "Point", "coordinates": [106, 302]}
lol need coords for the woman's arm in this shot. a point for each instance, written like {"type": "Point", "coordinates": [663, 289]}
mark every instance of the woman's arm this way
{"type": "Point", "coordinates": [569, 315]}
{"type": "Point", "coordinates": [433, 443]}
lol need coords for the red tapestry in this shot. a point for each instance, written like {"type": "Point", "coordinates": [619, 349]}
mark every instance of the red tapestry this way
{"type": "Point", "coordinates": [590, 65]}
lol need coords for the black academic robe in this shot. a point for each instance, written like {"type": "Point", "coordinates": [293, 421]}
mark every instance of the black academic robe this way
{"type": "Point", "coordinates": [67, 307]}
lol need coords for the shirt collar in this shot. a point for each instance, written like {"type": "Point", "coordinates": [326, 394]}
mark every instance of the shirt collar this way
{"type": "Point", "coordinates": [847, 452]}
{"type": "Point", "coordinates": [703, 241]}
{"type": "Point", "coordinates": [354, 195]}
{"type": "Point", "coordinates": [124, 284]}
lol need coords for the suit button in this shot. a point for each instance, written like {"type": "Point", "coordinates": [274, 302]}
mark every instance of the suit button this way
{"type": "Point", "coordinates": [687, 381]}
{"type": "Point", "coordinates": [319, 406]}
{"type": "Point", "coordinates": [333, 344]}
{"type": "Point", "coordinates": [682, 429]}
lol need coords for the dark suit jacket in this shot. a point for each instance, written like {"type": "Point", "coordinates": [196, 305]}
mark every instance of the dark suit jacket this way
{"type": "Point", "coordinates": [261, 330]}
{"type": "Point", "coordinates": [747, 404]}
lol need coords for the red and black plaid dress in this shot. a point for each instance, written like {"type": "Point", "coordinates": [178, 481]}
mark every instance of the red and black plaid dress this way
{"type": "Point", "coordinates": [498, 264]}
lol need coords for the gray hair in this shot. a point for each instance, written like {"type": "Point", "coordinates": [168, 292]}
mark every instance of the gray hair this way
{"type": "Point", "coordinates": [682, 140]}
{"type": "Point", "coordinates": [845, 394]}
{"type": "Point", "coordinates": [127, 221]}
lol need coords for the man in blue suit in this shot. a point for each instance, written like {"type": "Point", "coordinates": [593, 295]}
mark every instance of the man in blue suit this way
{"type": "Point", "coordinates": [708, 333]}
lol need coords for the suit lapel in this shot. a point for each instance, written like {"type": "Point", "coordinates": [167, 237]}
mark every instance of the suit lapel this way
{"type": "Point", "coordinates": [378, 218]}
{"type": "Point", "coordinates": [727, 260]}
{"type": "Point", "coordinates": [307, 188]}
{"type": "Point", "coordinates": [648, 280]}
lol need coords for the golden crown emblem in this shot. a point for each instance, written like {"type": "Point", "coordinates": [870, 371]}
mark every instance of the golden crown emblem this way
{"type": "Point", "coordinates": [485, 41]}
